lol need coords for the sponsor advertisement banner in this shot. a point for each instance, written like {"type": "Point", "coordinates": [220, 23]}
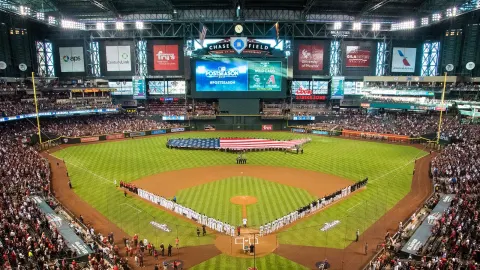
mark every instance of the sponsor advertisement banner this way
{"type": "Point", "coordinates": [137, 134]}
{"type": "Point", "coordinates": [338, 87]}
{"type": "Point", "coordinates": [320, 132]}
{"type": "Point", "coordinates": [159, 131]}
{"type": "Point", "coordinates": [312, 97]}
{"type": "Point", "coordinates": [177, 130]}
{"type": "Point", "coordinates": [221, 76]}
{"type": "Point", "coordinates": [357, 56]}
{"type": "Point", "coordinates": [353, 133]}
{"type": "Point", "coordinates": [139, 88]}
{"type": "Point", "coordinates": [421, 235]}
{"type": "Point", "coordinates": [114, 136]}
{"type": "Point", "coordinates": [165, 57]}
{"type": "Point", "coordinates": [267, 127]}
{"type": "Point", "coordinates": [71, 59]}
{"type": "Point", "coordinates": [310, 56]}
{"type": "Point", "coordinates": [89, 139]}
{"type": "Point", "coordinates": [239, 45]}
{"type": "Point", "coordinates": [265, 76]}
{"type": "Point", "coordinates": [71, 239]}
{"type": "Point", "coordinates": [173, 118]}
{"type": "Point", "coordinates": [298, 130]}
{"type": "Point", "coordinates": [403, 59]}
{"type": "Point", "coordinates": [303, 118]}
{"type": "Point", "coordinates": [118, 58]}
{"type": "Point", "coordinates": [209, 127]}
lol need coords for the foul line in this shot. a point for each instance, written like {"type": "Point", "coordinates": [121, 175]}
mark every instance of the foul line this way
{"type": "Point", "coordinates": [86, 170]}
{"type": "Point", "coordinates": [129, 205]}
{"type": "Point", "coordinates": [403, 166]}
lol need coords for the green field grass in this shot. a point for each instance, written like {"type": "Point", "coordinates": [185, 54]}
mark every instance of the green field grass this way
{"type": "Point", "coordinates": [274, 200]}
{"type": "Point", "coordinates": [271, 261]}
{"type": "Point", "coordinates": [389, 167]}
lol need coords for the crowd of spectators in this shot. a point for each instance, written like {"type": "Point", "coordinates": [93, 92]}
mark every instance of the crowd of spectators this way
{"type": "Point", "coordinates": [154, 107]}
{"type": "Point", "coordinates": [18, 105]}
{"type": "Point", "coordinates": [27, 239]}
{"type": "Point", "coordinates": [100, 125]}
{"type": "Point", "coordinates": [388, 123]}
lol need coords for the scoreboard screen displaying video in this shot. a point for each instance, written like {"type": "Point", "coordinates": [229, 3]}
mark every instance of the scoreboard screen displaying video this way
{"type": "Point", "coordinates": [239, 78]}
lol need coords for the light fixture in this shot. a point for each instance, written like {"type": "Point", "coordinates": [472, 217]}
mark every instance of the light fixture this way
{"type": "Point", "coordinates": [337, 26]}
{"type": "Point", "coordinates": [357, 26]}
{"type": "Point", "coordinates": [119, 26]}
{"type": "Point", "coordinates": [452, 12]}
{"type": "Point", "coordinates": [40, 16]}
{"type": "Point", "coordinates": [67, 24]}
{"type": "Point", "coordinates": [376, 26]}
{"type": "Point", "coordinates": [52, 20]}
{"type": "Point", "coordinates": [25, 11]}
{"type": "Point", "coordinates": [100, 26]}
{"type": "Point", "coordinates": [139, 25]}
{"type": "Point", "coordinates": [403, 25]}
{"type": "Point", "coordinates": [425, 21]}
{"type": "Point", "coordinates": [436, 17]}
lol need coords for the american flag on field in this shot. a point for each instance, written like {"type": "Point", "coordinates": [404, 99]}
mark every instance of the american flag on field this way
{"type": "Point", "coordinates": [259, 143]}
{"type": "Point", "coordinates": [203, 34]}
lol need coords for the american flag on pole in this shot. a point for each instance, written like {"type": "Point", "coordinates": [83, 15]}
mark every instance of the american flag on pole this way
{"type": "Point", "coordinates": [203, 34]}
{"type": "Point", "coordinates": [258, 143]}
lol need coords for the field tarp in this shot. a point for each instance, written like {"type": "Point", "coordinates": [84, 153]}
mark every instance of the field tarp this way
{"type": "Point", "coordinates": [421, 235]}
{"type": "Point", "coordinates": [72, 240]}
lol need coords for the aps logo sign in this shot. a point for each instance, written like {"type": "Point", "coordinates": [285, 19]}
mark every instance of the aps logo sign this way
{"type": "Point", "coordinates": [72, 58]}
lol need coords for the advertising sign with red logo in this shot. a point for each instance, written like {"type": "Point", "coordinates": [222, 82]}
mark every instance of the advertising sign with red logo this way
{"type": "Point", "coordinates": [312, 97]}
{"type": "Point", "coordinates": [89, 139]}
{"type": "Point", "coordinates": [165, 57]}
{"type": "Point", "coordinates": [310, 56]}
{"type": "Point", "coordinates": [114, 136]}
{"type": "Point", "coordinates": [358, 56]}
{"type": "Point", "coordinates": [267, 127]}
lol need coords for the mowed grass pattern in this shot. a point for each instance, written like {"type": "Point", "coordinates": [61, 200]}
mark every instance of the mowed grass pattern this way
{"type": "Point", "coordinates": [274, 200]}
{"type": "Point", "coordinates": [389, 167]}
{"type": "Point", "coordinates": [272, 261]}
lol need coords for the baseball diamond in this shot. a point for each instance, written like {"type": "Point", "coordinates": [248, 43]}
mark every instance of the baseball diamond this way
{"type": "Point", "coordinates": [207, 182]}
{"type": "Point", "coordinates": [239, 135]}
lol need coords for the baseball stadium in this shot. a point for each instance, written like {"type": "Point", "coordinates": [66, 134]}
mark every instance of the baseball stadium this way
{"type": "Point", "coordinates": [249, 135]}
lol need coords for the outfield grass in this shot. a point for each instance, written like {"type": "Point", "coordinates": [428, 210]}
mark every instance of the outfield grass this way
{"type": "Point", "coordinates": [389, 167]}
{"type": "Point", "coordinates": [274, 200]}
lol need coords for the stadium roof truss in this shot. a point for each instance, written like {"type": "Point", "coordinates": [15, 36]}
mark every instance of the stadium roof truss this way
{"type": "Point", "coordinates": [181, 18]}
{"type": "Point", "coordinates": [287, 31]}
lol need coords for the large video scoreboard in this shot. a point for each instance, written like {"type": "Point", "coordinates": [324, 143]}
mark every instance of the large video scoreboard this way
{"type": "Point", "coordinates": [239, 78]}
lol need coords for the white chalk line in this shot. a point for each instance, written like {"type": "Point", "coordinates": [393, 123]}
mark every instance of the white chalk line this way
{"type": "Point", "coordinates": [129, 205]}
{"type": "Point", "coordinates": [104, 179]}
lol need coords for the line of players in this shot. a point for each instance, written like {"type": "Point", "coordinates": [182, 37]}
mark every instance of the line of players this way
{"type": "Point", "coordinates": [268, 228]}
{"type": "Point", "coordinates": [211, 223]}
{"type": "Point", "coordinates": [308, 209]}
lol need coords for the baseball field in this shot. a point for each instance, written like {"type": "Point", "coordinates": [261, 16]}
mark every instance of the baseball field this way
{"type": "Point", "coordinates": [206, 181]}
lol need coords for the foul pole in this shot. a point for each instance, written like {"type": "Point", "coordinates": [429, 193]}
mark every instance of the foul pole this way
{"type": "Point", "coordinates": [36, 107]}
{"type": "Point", "coordinates": [441, 108]}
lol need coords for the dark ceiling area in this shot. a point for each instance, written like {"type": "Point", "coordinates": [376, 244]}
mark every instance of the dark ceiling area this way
{"type": "Point", "coordinates": [393, 9]}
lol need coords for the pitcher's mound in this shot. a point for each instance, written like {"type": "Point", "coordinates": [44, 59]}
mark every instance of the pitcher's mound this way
{"type": "Point", "coordinates": [243, 200]}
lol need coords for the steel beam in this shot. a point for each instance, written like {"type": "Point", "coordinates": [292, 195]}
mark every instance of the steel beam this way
{"type": "Point", "coordinates": [218, 30]}
{"type": "Point", "coordinates": [371, 6]}
{"type": "Point", "coordinates": [106, 5]}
